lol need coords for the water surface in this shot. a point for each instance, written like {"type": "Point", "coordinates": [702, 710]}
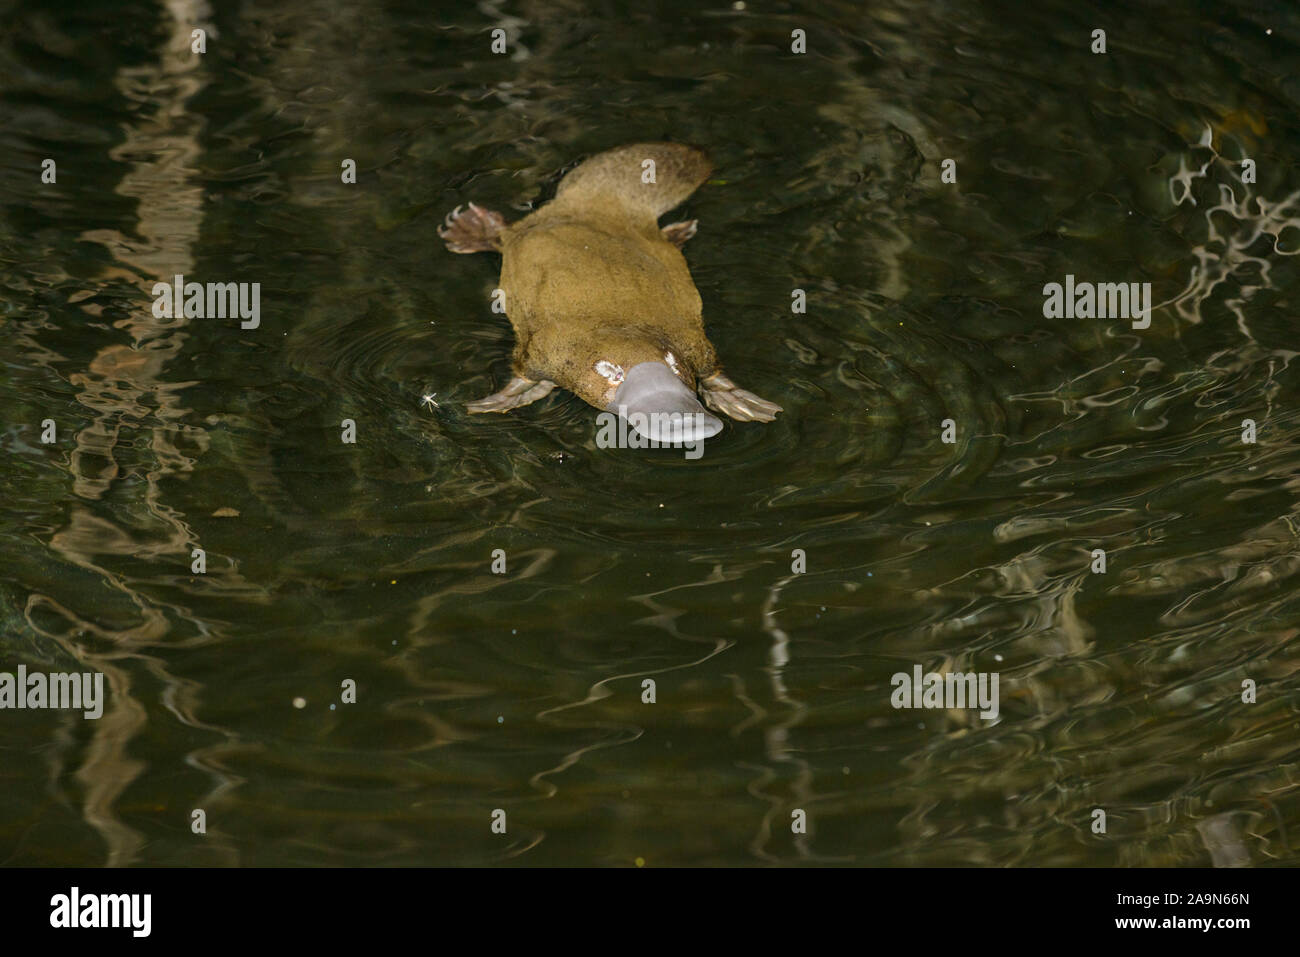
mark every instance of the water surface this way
{"type": "Point", "coordinates": [371, 562]}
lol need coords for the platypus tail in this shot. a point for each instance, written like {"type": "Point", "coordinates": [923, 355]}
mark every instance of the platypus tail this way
{"type": "Point", "coordinates": [623, 176]}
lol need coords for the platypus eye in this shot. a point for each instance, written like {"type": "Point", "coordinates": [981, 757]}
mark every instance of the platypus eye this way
{"type": "Point", "coordinates": [612, 372]}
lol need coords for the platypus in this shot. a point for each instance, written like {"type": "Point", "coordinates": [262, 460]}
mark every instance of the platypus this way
{"type": "Point", "coordinates": [601, 300]}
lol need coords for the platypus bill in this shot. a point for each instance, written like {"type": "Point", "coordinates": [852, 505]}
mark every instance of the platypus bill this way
{"type": "Point", "coordinates": [601, 300]}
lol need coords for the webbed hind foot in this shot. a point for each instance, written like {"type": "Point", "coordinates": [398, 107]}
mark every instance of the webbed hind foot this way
{"type": "Point", "coordinates": [678, 233]}
{"type": "Point", "coordinates": [518, 391]}
{"type": "Point", "coordinates": [472, 230]}
{"type": "Point", "coordinates": [723, 395]}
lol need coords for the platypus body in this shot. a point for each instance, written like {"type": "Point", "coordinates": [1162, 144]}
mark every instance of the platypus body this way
{"type": "Point", "coordinates": [600, 298]}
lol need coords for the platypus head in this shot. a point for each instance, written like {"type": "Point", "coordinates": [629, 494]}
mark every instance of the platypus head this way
{"type": "Point", "coordinates": [661, 407]}
{"type": "Point", "coordinates": [654, 391]}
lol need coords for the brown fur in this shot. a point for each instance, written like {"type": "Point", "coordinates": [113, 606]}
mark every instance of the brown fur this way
{"type": "Point", "coordinates": [590, 277]}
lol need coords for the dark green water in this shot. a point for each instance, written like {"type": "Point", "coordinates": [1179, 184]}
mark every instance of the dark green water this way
{"type": "Point", "coordinates": [1120, 691]}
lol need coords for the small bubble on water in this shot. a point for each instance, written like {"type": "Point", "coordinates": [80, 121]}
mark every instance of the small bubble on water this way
{"type": "Point", "coordinates": [501, 719]}
{"type": "Point", "coordinates": [300, 702]}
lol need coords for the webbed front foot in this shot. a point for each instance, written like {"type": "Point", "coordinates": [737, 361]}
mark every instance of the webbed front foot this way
{"type": "Point", "coordinates": [518, 391]}
{"type": "Point", "coordinates": [472, 230]}
{"type": "Point", "coordinates": [723, 395]}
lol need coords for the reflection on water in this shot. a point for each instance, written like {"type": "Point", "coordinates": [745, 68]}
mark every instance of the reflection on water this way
{"type": "Point", "coordinates": [653, 678]}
